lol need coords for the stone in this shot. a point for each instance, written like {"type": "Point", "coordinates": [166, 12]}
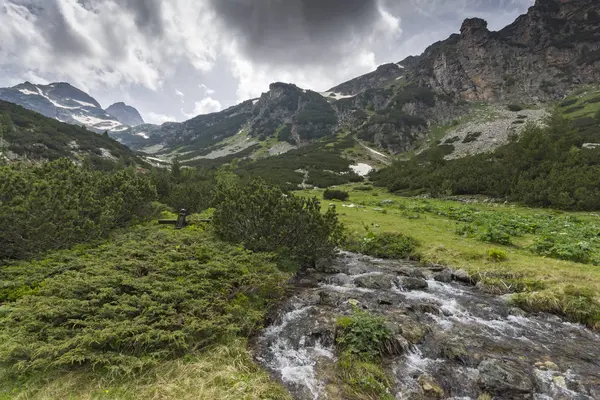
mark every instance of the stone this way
{"type": "Point", "coordinates": [327, 266]}
{"type": "Point", "coordinates": [331, 299]}
{"type": "Point", "coordinates": [430, 388]}
{"type": "Point", "coordinates": [413, 272]}
{"type": "Point", "coordinates": [374, 282]}
{"type": "Point", "coordinates": [461, 276]}
{"type": "Point", "coordinates": [445, 276]}
{"type": "Point", "coordinates": [409, 283]}
{"type": "Point", "coordinates": [503, 378]}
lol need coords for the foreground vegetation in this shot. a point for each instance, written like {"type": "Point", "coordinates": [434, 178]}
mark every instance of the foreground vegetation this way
{"type": "Point", "coordinates": [546, 258]}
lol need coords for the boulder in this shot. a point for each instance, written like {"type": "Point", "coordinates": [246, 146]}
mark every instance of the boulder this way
{"type": "Point", "coordinates": [410, 283]}
{"type": "Point", "coordinates": [374, 282]}
{"type": "Point", "coordinates": [503, 378]}
{"type": "Point", "coordinates": [444, 276]}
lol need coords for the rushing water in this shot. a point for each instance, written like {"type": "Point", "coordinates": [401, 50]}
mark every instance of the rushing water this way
{"type": "Point", "coordinates": [461, 343]}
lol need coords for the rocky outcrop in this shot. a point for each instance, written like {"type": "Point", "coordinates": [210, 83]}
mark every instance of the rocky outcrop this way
{"type": "Point", "coordinates": [292, 114]}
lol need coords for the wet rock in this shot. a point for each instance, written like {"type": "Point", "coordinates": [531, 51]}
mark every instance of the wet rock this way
{"type": "Point", "coordinates": [411, 272]}
{"type": "Point", "coordinates": [410, 283]}
{"type": "Point", "coordinates": [338, 280]}
{"type": "Point", "coordinates": [546, 366]}
{"type": "Point", "coordinates": [412, 331]}
{"type": "Point", "coordinates": [306, 281]}
{"type": "Point", "coordinates": [328, 266]}
{"type": "Point", "coordinates": [374, 282]}
{"type": "Point", "coordinates": [430, 388]}
{"type": "Point", "coordinates": [425, 308]}
{"type": "Point", "coordinates": [502, 378]}
{"type": "Point", "coordinates": [331, 299]}
{"type": "Point", "coordinates": [461, 276]}
{"type": "Point", "coordinates": [456, 352]}
{"type": "Point", "coordinates": [444, 276]}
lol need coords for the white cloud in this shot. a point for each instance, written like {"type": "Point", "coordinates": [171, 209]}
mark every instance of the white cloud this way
{"type": "Point", "coordinates": [206, 89]}
{"type": "Point", "coordinates": [205, 106]}
{"type": "Point", "coordinates": [159, 119]}
{"type": "Point", "coordinates": [178, 93]}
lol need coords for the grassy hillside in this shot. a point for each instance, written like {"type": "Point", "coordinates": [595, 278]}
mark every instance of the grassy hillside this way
{"type": "Point", "coordinates": [32, 136]}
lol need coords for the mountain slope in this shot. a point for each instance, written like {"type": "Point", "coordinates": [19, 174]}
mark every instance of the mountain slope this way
{"type": "Point", "coordinates": [66, 103]}
{"type": "Point", "coordinates": [28, 135]}
{"type": "Point", "coordinates": [540, 58]}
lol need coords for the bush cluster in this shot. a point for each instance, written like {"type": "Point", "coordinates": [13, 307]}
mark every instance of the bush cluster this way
{"type": "Point", "coordinates": [336, 194]}
{"type": "Point", "coordinates": [57, 204]}
{"type": "Point", "coordinates": [149, 294]}
{"type": "Point", "coordinates": [264, 218]}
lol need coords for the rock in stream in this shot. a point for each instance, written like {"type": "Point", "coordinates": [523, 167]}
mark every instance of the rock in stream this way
{"type": "Point", "coordinates": [459, 343]}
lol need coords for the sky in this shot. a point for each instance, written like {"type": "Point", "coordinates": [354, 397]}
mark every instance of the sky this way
{"type": "Point", "coordinates": [175, 59]}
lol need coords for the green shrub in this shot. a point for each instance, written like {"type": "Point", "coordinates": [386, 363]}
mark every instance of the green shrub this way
{"type": "Point", "coordinates": [263, 218]}
{"type": "Point", "coordinates": [149, 294]}
{"type": "Point", "coordinates": [335, 194]}
{"type": "Point", "coordinates": [363, 335]}
{"type": "Point", "coordinates": [58, 204]}
{"type": "Point", "coordinates": [361, 340]}
{"type": "Point", "coordinates": [514, 107]}
{"type": "Point", "coordinates": [497, 255]}
{"type": "Point", "coordinates": [549, 246]}
{"type": "Point", "coordinates": [386, 245]}
{"type": "Point", "coordinates": [495, 235]}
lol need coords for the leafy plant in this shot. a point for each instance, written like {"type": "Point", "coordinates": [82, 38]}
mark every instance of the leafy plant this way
{"type": "Point", "coordinates": [497, 255]}
{"type": "Point", "coordinates": [385, 245]}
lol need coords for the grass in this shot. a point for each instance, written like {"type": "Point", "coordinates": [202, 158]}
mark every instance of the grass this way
{"type": "Point", "coordinates": [585, 102]}
{"type": "Point", "coordinates": [223, 372]}
{"type": "Point", "coordinates": [518, 269]}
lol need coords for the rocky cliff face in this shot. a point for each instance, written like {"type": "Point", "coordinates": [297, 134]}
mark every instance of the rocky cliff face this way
{"type": "Point", "coordinates": [293, 114]}
{"type": "Point", "coordinates": [538, 58]}
{"type": "Point", "coordinates": [125, 114]}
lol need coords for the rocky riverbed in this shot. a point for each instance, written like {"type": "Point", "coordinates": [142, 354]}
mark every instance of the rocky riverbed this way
{"type": "Point", "coordinates": [458, 342]}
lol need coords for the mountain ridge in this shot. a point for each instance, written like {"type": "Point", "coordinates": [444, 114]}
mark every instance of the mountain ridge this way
{"type": "Point", "coordinates": [66, 103]}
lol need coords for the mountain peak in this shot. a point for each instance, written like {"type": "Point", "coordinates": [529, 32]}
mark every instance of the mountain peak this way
{"type": "Point", "coordinates": [473, 26]}
{"type": "Point", "coordinates": [127, 115]}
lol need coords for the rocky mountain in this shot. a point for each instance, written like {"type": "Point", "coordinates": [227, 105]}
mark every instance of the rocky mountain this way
{"type": "Point", "coordinates": [538, 59]}
{"type": "Point", "coordinates": [28, 135]}
{"type": "Point", "coordinates": [125, 114]}
{"type": "Point", "coordinates": [66, 103]}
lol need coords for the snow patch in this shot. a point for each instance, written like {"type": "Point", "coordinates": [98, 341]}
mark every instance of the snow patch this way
{"type": "Point", "coordinates": [27, 92]}
{"type": "Point", "coordinates": [54, 102]}
{"type": "Point", "coordinates": [335, 96]}
{"type": "Point", "coordinates": [255, 101]}
{"type": "Point", "coordinates": [83, 103]}
{"type": "Point", "coordinates": [93, 121]}
{"type": "Point", "coordinates": [400, 66]}
{"type": "Point", "coordinates": [361, 169]}
{"type": "Point", "coordinates": [143, 134]}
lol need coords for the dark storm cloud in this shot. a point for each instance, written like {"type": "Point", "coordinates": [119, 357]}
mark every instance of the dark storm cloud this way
{"type": "Point", "coordinates": [291, 31]}
{"type": "Point", "coordinates": [148, 14]}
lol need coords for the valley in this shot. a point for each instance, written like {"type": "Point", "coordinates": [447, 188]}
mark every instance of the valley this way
{"type": "Point", "coordinates": [427, 230]}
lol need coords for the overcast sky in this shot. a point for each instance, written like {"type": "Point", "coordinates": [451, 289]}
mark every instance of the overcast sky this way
{"type": "Point", "coordinates": [174, 59]}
